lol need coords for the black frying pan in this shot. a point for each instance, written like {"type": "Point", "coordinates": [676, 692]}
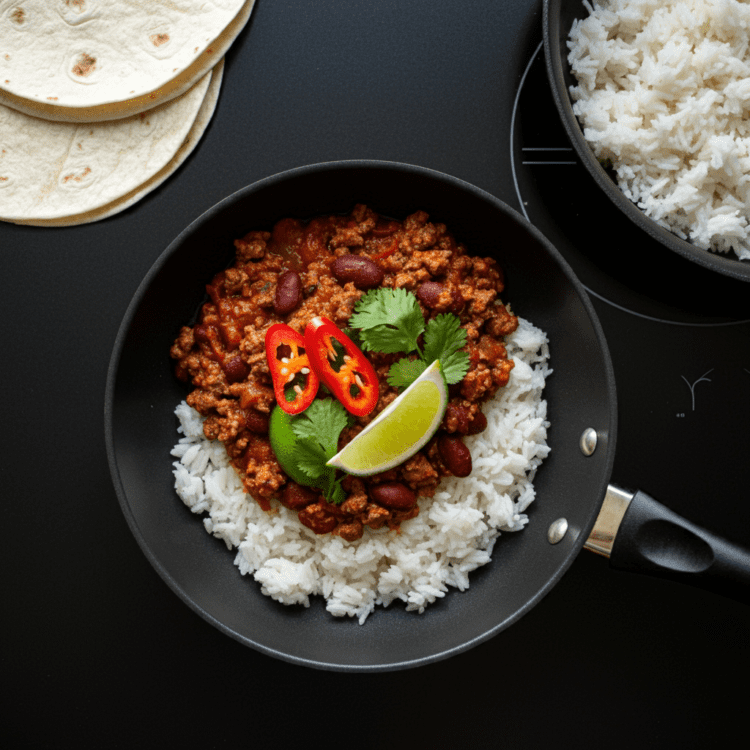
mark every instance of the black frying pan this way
{"type": "Point", "coordinates": [140, 427]}
{"type": "Point", "coordinates": [558, 17]}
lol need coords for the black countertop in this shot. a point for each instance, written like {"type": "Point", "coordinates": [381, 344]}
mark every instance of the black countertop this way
{"type": "Point", "coordinates": [97, 651]}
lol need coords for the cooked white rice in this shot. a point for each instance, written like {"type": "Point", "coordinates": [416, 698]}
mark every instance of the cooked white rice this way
{"type": "Point", "coordinates": [664, 94]}
{"type": "Point", "coordinates": [453, 534]}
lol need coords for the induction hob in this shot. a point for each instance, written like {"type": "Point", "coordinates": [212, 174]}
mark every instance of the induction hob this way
{"type": "Point", "coordinates": [98, 649]}
{"type": "Point", "coordinates": [679, 334]}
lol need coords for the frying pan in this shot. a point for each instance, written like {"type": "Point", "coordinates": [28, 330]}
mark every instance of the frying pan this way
{"type": "Point", "coordinates": [571, 486]}
{"type": "Point", "coordinates": [558, 17]}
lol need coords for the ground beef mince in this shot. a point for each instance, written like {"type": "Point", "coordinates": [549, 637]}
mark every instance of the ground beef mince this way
{"type": "Point", "coordinates": [290, 275]}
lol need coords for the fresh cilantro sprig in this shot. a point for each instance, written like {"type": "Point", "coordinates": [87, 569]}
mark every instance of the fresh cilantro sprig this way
{"type": "Point", "coordinates": [390, 321]}
{"type": "Point", "coordinates": [318, 429]}
{"type": "Point", "coordinates": [444, 339]}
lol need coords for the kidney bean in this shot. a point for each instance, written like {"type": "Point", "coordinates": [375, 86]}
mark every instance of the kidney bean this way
{"type": "Point", "coordinates": [288, 293]}
{"type": "Point", "coordinates": [235, 369]}
{"type": "Point", "coordinates": [456, 419]}
{"type": "Point", "coordinates": [256, 421]}
{"type": "Point", "coordinates": [201, 333]}
{"type": "Point", "coordinates": [206, 334]}
{"type": "Point", "coordinates": [455, 455]}
{"type": "Point", "coordinates": [361, 271]}
{"type": "Point", "coordinates": [393, 495]}
{"type": "Point", "coordinates": [477, 424]}
{"type": "Point", "coordinates": [295, 496]}
{"type": "Point", "coordinates": [429, 293]}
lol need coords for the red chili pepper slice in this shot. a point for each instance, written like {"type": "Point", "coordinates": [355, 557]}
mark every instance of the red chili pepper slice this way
{"type": "Point", "coordinates": [349, 374]}
{"type": "Point", "coordinates": [290, 368]}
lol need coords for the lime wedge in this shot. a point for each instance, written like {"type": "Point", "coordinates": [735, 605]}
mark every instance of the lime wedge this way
{"type": "Point", "coordinates": [400, 430]}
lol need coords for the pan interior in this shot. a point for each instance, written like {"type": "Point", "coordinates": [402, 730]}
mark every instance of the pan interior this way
{"type": "Point", "coordinates": [141, 428]}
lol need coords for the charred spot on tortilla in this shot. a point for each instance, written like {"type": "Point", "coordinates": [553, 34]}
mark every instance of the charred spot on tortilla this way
{"type": "Point", "coordinates": [77, 177]}
{"type": "Point", "coordinates": [85, 65]}
{"type": "Point", "coordinates": [18, 16]}
{"type": "Point", "coordinates": [158, 39]}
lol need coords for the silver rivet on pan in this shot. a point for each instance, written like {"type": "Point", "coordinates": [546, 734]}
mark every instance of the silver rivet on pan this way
{"type": "Point", "coordinates": [588, 441]}
{"type": "Point", "coordinates": [557, 530]}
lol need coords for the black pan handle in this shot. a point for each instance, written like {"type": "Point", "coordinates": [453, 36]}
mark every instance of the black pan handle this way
{"type": "Point", "coordinates": [639, 534]}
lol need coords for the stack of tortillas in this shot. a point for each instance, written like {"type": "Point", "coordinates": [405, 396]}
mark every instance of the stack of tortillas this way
{"type": "Point", "coordinates": [102, 100]}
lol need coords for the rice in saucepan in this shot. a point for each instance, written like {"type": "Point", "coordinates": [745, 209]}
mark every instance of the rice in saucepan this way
{"type": "Point", "coordinates": [664, 94]}
{"type": "Point", "coordinates": [453, 534]}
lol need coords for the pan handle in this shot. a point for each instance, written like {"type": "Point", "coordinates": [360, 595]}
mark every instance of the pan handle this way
{"type": "Point", "coordinates": [641, 535]}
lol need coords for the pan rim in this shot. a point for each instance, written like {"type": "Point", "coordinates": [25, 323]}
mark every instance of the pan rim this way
{"type": "Point", "coordinates": [725, 265]}
{"type": "Point", "coordinates": [127, 320]}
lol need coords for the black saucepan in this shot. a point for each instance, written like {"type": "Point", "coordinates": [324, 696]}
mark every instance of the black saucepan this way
{"type": "Point", "coordinates": [142, 393]}
{"type": "Point", "coordinates": [558, 17]}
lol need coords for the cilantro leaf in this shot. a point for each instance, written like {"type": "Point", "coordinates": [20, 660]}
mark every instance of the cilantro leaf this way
{"type": "Point", "coordinates": [334, 492]}
{"type": "Point", "coordinates": [323, 422]}
{"type": "Point", "coordinates": [310, 457]}
{"type": "Point", "coordinates": [337, 494]}
{"type": "Point", "coordinates": [455, 366]}
{"type": "Point", "coordinates": [390, 320]}
{"type": "Point", "coordinates": [382, 307]}
{"type": "Point", "coordinates": [318, 429]}
{"type": "Point", "coordinates": [444, 334]}
{"type": "Point", "coordinates": [443, 340]}
{"type": "Point", "coordinates": [404, 372]}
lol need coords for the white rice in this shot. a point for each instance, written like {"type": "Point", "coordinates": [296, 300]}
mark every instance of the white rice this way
{"type": "Point", "coordinates": [453, 534]}
{"type": "Point", "coordinates": [664, 94]}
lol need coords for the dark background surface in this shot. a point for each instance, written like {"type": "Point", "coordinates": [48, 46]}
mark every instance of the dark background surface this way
{"type": "Point", "coordinates": [98, 652]}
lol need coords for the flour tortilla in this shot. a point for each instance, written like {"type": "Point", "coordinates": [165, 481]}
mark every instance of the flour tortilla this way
{"type": "Point", "coordinates": [147, 52]}
{"type": "Point", "coordinates": [205, 113]}
{"type": "Point", "coordinates": [51, 170]}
